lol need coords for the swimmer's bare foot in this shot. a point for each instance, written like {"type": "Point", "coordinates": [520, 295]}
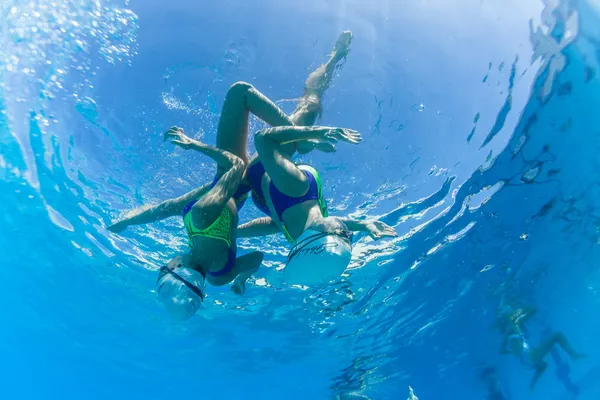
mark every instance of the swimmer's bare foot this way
{"type": "Point", "coordinates": [238, 286]}
{"type": "Point", "coordinates": [342, 46]}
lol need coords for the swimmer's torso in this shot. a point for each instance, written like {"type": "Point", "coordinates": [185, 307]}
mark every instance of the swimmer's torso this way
{"type": "Point", "coordinates": [211, 254]}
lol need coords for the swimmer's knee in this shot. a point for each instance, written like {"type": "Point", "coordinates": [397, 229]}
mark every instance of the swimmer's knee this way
{"type": "Point", "coordinates": [239, 88]}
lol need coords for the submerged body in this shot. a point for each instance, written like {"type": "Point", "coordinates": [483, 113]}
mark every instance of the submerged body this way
{"type": "Point", "coordinates": [210, 213]}
{"type": "Point", "coordinates": [294, 197]}
{"type": "Point", "coordinates": [515, 342]}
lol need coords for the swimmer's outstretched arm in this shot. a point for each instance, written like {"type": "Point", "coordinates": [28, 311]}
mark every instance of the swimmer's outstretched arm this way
{"type": "Point", "coordinates": [166, 209]}
{"type": "Point", "coordinates": [258, 227]}
{"type": "Point", "coordinates": [375, 229]}
{"type": "Point", "coordinates": [173, 207]}
{"type": "Point", "coordinates": [322, 134]}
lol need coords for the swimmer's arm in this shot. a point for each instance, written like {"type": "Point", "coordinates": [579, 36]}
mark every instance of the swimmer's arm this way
{"type": "Point", "coordinates": [291, 134]}
{"type": "Point", "coordinates": [224, 159]}
{"type": "Point", "coordinates": [258, 227]}
{"type": "Point", "coordinates": [166, 209]}
{"type": "Point", "coordinates": [375, 229]}
{"type": "Point", "coordinates": [148, 215]}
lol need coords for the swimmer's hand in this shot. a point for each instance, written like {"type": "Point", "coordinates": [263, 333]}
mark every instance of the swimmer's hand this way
{"type": "Point", "coordinates": [378, 230]}
{"type": "Point", "coordinates": [326, 142]}
{"type": "Point", "coordinates": [179, 138]}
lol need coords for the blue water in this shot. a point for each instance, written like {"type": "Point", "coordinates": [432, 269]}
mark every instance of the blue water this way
{"type": "Point", "coordinates": [481, 143]}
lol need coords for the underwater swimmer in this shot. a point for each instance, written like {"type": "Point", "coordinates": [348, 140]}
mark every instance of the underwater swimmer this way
{"type": "Point", "coordinates": [321, 244]}
{"type": "Point", "coordinates": [305, 114]}
{"type": "Point", "coordinates": [515, 342]}
{"type": "Point", "coordinates": [210, 217]}
{"type": "Point", "coordinates": [210, 212]}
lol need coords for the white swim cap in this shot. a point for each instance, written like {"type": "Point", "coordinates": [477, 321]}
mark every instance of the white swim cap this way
{"type": "Point", "coordinates": [181, 291]}
{"type": "Point", "coordinates": [318, 258]}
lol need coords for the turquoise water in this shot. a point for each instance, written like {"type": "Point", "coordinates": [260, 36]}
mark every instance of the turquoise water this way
{"type": "Point", "coordinates": [480, 145]}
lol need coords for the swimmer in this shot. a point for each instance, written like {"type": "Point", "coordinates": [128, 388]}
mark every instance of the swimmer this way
{"type": "Point", "coordinates": [306, 114]}
{"type": "Point", "coordinates": [321, 245]}
{"type": "Point", "coordinates": [515, 342]}
{"type": "Point", "coordinates": [210, 212]}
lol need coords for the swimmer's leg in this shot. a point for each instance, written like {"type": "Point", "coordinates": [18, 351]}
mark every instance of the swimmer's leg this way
{"type": "Point", "coordinates": [309, 107]}
{"type": "Point", "coordinates": [561, 340]}
{"type": "Point", "coordinates": [245, 266]}
{"type": "Point", "coordinates": [539, 371]}
{"type": "Point", "coordinates": [242, 99]}
{"type": "Point", "coordinates": [284, 173]}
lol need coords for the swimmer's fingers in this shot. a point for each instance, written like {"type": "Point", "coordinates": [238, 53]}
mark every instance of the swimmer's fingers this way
{"type": "Point", "coordinates": [352, 136]}
{"type": "Point", "coordinates": [378, 230]}
{"type": "Point", "coordinates": [178, 137]}
{"type": "Point", "coordinates": [389, 232]}
{"type": "Point", "coordinates": [173, 132]}
{"type": "Point", "coordinates": [346, 135]}
{"type": "Point", "coordinates": [385, 229]}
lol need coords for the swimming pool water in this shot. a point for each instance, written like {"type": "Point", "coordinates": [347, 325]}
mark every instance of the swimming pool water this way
{"type": "Point", "coordinates": [480, 147]}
